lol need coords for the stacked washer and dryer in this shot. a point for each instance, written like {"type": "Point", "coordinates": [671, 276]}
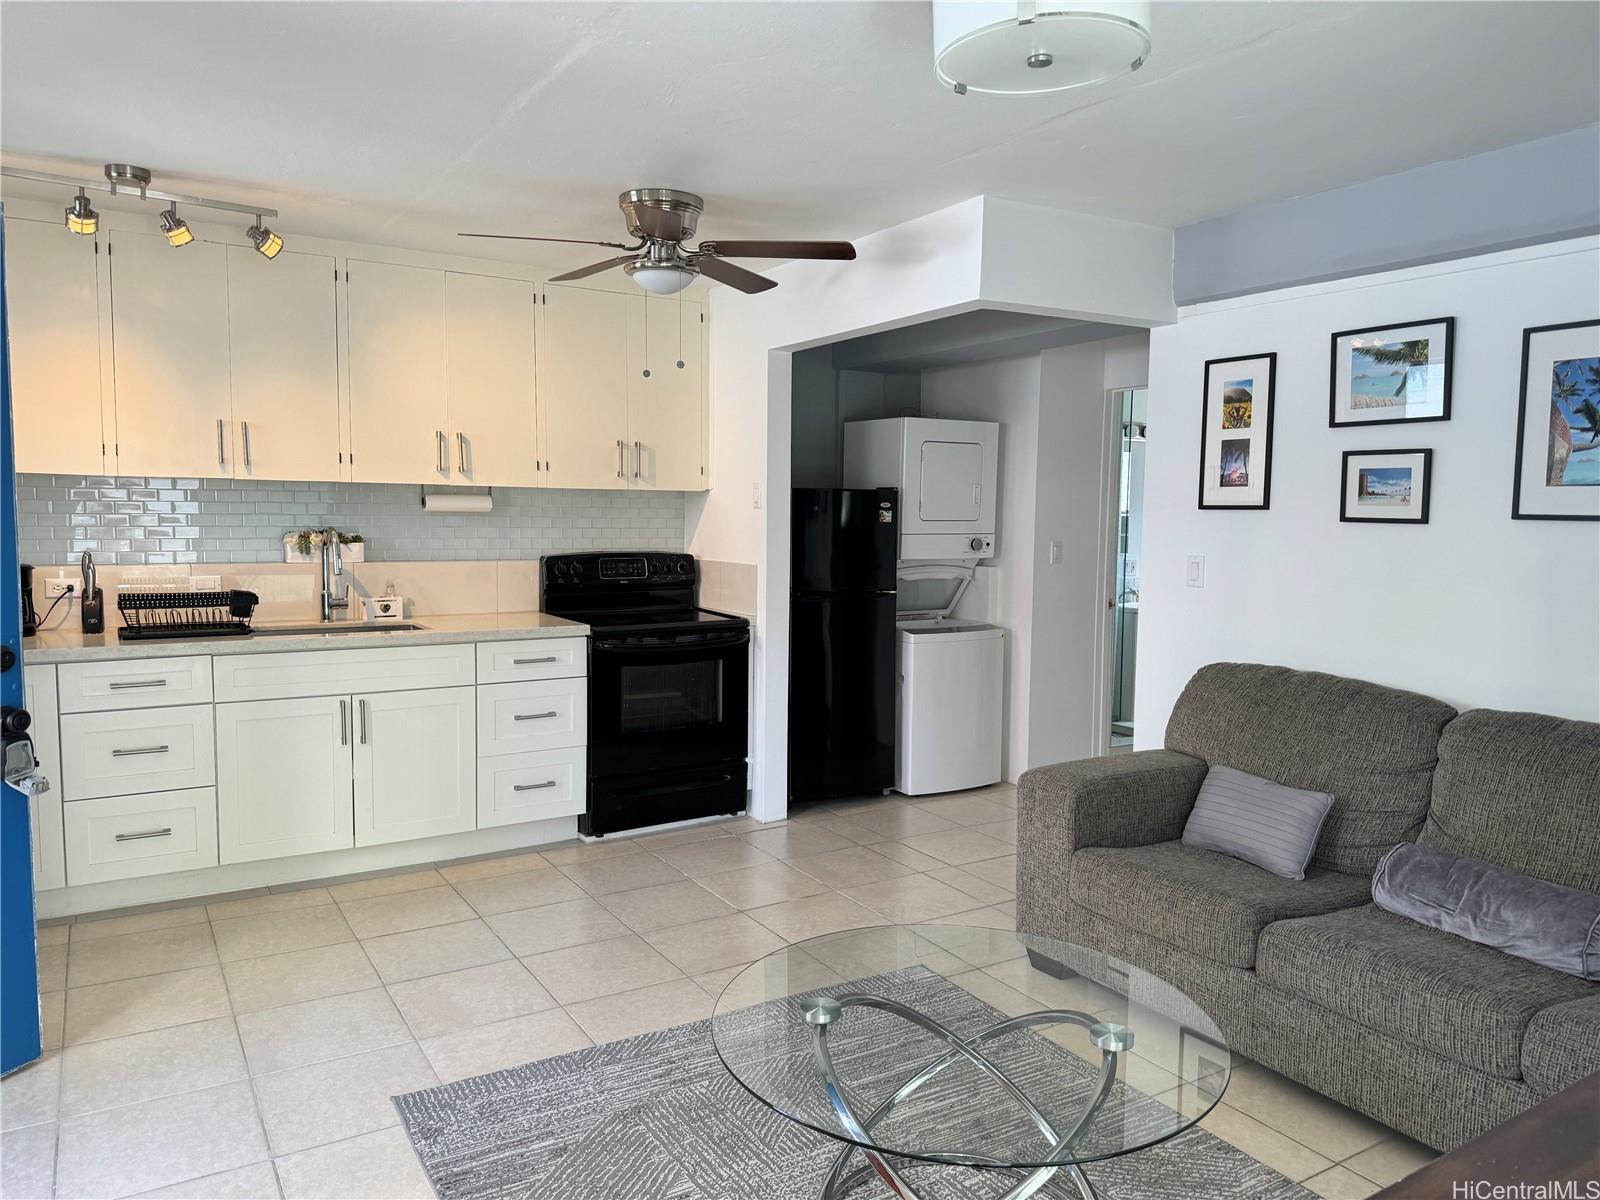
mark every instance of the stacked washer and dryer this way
{"type": "Point", "coordinates": [951, 671]}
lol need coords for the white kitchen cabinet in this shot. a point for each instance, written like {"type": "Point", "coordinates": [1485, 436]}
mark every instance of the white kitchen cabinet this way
{"type": "Point", "coordinates": [121, 752]}
{"type": "Point", "coordinates": [547, 714]}
{"type": "Point", "coordinates": [169, 337]}
{"type": "Point", "coordinates": [134, 683]}
{"type": "Point", "coordinates": [283, 347]}
{"type": "Point", "coordinates": [665, 400]}
{"type": "Point", "coordinates": [536, 786]}
{"type": "Point", "coordinates": [44, 809]}
{"type": "Point", "coordinates": [54, 311]}
{"type": "Point", "coordinates": [284, 777]}
{"type": "Point", "coordinates": [124, 837]}
{"type": "Point", "coordinates": [490, 374]}
{"type": "Point", "coordinates": [583, 387]}
{"type": "Point", "coordinates": [415, 764]}
{"type": "Point", "coordinates": [399, 420]}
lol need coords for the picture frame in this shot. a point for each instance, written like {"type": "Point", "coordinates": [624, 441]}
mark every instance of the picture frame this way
{"type": "Point", "coordinates": [1391, 374]}
{"type": "Point", "coordinates": [1385, 487]}
{"type": "Point", "coordinates": [1557, 467]}
{"type": "Point", "coordinates": [1236, 409]}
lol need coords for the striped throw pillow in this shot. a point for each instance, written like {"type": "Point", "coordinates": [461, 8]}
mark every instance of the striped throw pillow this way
{"type": "Point", "coordinates": [1265, 823]}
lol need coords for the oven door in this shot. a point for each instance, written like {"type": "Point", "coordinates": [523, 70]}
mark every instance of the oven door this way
{"type": "Point", "coordinates": [662, 704]}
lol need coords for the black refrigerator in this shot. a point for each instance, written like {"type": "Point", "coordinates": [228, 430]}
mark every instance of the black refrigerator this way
{"type": "Point", "coordinates": [844, 544]}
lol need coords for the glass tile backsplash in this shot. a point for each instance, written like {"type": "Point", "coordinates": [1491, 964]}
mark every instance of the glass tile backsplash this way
{"type": "Point", "coordinates": [139, 520]}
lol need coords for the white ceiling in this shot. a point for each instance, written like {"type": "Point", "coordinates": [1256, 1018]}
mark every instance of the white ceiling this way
{"type": "Point", "coordinates": [403, 122]}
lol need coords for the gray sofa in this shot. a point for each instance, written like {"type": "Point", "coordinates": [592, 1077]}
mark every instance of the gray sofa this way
{"type": "Point", "coordinates": [1427, 1032]}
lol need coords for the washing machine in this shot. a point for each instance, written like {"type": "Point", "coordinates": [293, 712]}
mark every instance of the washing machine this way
{"type": "Point", "coordinates": [951, 685]}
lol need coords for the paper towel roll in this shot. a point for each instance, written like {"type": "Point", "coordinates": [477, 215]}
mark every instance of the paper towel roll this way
{"type": "Point", "coordinates": [455, 503]}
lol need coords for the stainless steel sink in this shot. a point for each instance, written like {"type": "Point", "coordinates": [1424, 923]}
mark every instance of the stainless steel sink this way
{"type": "Point", "coordinates": [335, 627]}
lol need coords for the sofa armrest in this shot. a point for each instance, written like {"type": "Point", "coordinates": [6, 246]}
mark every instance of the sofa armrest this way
{"type": "Point", "coordinates": [1122, 800]}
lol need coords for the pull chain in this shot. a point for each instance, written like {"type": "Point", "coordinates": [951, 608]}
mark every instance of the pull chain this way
{"type": "Point", "coordinates": [680, 330]}
{"type": "Point", "coordinates": [647, 337]}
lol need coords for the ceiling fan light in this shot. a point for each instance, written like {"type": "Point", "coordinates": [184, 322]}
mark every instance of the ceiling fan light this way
{"type": "Point", "coordinates": [266, 242]}
{"type": "Point", "coordinates": [661, 281]}
{"type": "Point", "coordinates": [81, 216]}
{"type": "Point", "coordinates": [175, 228]}
{"type": "Point", "coordinates": [1033, 47]}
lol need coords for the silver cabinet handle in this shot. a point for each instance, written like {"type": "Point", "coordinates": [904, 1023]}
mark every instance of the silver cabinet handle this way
{"type": "Point", "coordinates": [535, 716]}
{"type": "Point", "coordinates": [245, 428]}
{"type": "Point", "coordinates": [523, 662]}
{"type": "Point", "coordinates": [222, 458]}
{"type": "Point", "coordinates": [344, 722]}
{"type": "Point", "coordinates": [622, 459]}
{"type": "Point", "coordinates": [362, 705]}
{"type": "Point", "coordinates": [532, 787]}
{"type": "Point", "coordinates": [461, 452]}
{"type": "Point", "coordinates": [148, 833]}
{"type": "Point", "coordinates": [139, 750]}
{"type": "Point", "coordinates": [638, 459]}
{"type": "Point", "coordinates": [439, 462]}
{"type": "Point", "coordinates": [117, 685]}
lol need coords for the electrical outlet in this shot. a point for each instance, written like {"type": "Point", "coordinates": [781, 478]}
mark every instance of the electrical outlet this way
{"type": "Point", "coordinates": [59, 586]}
{"type": "Point", "coordinates": [205, 583]}
{"type": "Point", "coordinates": [1195, 571]}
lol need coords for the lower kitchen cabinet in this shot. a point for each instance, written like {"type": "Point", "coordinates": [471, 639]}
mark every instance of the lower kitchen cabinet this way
{"type": "Point", "coordinates": [44, 809]}
{"type": "Point", "coordinates": [513, 788]}
{"type": "Point", "coordinates": [123, 837]}
{"type": "Point", "coordinates": [415, 764]}
{"type": "Point", "coordinates": [284, 775]}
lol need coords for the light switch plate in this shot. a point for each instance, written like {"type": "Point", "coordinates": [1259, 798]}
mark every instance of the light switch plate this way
{"type": "Point", "coordinates": [1195, 575]}
{"type": "Point", "coordinates": [205, 583]}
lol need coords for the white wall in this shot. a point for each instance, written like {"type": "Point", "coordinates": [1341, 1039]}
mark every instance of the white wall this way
{"type": "Point", "coordinates": [1474, 608]}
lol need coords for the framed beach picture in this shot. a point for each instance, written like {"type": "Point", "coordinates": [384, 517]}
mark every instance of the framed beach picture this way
{"type": "Point", "coordinates": [1386, 486]}
{"type": "Point", "coordinates": [1558, 424]}
{"type": "Point", "coordinates": [1236, 432]}
{"type": "Point", "coordinates": [1391, 373]}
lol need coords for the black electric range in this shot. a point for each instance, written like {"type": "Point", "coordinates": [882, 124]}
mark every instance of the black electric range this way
{"type": "Point", "coordinates": [668, 688]}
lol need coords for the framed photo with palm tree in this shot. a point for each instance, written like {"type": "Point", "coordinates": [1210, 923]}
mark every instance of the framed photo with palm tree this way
{"type": "Point", "coordinates": [1558, 424]}
{"type": "Point", "coordinates": [1391, 374]}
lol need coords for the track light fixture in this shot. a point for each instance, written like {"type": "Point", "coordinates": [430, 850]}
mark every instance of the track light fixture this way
{"type": "Point", "coordinates": [266, 242]}
{"type": "Point", "coordinates": [176, 228]}
{"type": "Point", "coordinates": [81, 216]}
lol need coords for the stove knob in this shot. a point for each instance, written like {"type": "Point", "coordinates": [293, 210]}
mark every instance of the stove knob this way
{"type": "Point", "coordinates": [560, 569]}
{"type": "Point", "coordinates": [577, 568]}
{"type": "Point", "coordinates": [683, 566]}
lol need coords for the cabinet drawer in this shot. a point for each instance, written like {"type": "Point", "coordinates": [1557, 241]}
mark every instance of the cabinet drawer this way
{"type": "Point", "coordinates": [341, 672]}
{"type": "Point", "coordinates": [123, 837]}
{"type": "Point", "coordinates": [546, 715]}
{"type": "Point", "coordinates": [535, 658]}
{"type": "Point", "coordinates": [531, 787]}
{"type": "Point", "coordinates": [134, 683]}
{"type": "Point", "coordinates": [137, 750]}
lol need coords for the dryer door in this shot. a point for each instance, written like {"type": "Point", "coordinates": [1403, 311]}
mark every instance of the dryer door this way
{"type": "Point", "coordinates": [952, 481]}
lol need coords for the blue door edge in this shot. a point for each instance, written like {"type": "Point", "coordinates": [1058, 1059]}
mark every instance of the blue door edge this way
{"type": "Point", "coordinates": [21, 1028]}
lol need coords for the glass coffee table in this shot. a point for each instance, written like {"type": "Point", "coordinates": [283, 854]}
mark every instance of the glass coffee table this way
{"type": "Point", "coordinates": [922, 1046]}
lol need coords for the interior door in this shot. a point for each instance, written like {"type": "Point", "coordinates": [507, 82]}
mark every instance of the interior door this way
{"type": "Point", "coordinates": [951, 486]}
{"type": "Point", "coordinates": [583, 387]}
{"type": "Point", "coordinates": [169, 336]}
{"type": "Point", "coordinates": [415, 764]}
{"type": "Point", "coordinates": [283, 349]}
{"type": "Point", "coordinates": [55, 369]}
{"type": "Point", "coordinates": [490, 370]}
{"type": "Point", "coordinates": [284, 777]}
{"type": "Point", "coordinates": [398, 420]}
{"type": "Point", "coordinates": [665, 394]}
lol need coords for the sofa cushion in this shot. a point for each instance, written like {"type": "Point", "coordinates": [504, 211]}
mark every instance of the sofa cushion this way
{"type": "Point", "coordinates": [1200, 901]}
{"type": "Point", "coordinates": [1521, 790]}
{"type": "Point", "coordinates": [1459, 999]}
{"type": "Point", "coordinates": [1373, 747]}
{"type": "Point", "coordinates": [1562, 1044]}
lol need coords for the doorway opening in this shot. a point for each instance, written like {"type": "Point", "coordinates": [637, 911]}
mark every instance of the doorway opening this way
{"type": "Point", "coordinates": [1131, 405]}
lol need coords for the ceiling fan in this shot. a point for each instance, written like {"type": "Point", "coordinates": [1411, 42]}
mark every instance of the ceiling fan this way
{"type": "Point", "coordinates": [663, 219]}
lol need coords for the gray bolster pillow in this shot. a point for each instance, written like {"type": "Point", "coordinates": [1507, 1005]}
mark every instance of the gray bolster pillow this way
{"type": "Point", "coordinates": [1554, 926]}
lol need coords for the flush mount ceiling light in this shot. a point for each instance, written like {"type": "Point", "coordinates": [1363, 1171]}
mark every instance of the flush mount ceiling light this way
{"type": "Point", "coordinates": [176, 228]}
{"type": "Point", "coordinates": [81, 217]}
{"type": "Point", "coordinates": [1033, 47]}
{"type": "Point", "coordinates": [658, 278]}
{"type": "Point", "coordinates": [266, 242]}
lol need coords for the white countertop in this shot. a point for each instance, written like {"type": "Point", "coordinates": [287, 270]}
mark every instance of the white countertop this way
{"type": "Point", "coordinates": [72, 645]}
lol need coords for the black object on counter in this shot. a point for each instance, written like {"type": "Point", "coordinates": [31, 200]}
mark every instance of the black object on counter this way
{"type": "Point", "coordinates": [30, 614]}
{"type": "Point", "coordinates": [153, 615]}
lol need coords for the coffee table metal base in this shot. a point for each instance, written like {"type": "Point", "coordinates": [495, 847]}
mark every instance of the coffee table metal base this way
{"type": "Point", "coordinates": [822, 1012]}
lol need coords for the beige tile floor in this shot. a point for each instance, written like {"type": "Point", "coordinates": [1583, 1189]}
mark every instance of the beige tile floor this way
{"type": "Point", "coordinates": [248, 1046]}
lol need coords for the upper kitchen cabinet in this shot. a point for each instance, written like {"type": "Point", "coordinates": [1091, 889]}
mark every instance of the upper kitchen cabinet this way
{"type": "Point", "coordinates": [52, 286]}
{"type": "Point", "coordinates": [169, 343]}
{"type": "Point", "coordinates": [583, 388]}
{"type": "Point", "coordinates": [489, 372]}
{"type": "Point", "coordinates": [283, 338]}
{"type": "Point", "coordinates": [399, 418]}
{"type": "Point", "coordinates": [665, 394]}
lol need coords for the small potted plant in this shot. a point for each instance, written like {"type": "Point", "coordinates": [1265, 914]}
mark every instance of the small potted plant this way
{"type": "Point", "coordinates": [305, 545]}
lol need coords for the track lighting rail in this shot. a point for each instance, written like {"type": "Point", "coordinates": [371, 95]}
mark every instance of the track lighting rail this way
{"type": "Point", "coordinates": [105, 185]}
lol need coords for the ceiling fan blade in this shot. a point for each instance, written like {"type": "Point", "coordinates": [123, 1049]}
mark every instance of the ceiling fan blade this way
{"type": "Point", "coordinates": [733, 276]}
{"type": "Point", "coordinates": [843, 251]}
{"type": "Point", "coordinates": [594, 268]}
{"type": "Point", "coordinates": [519, 237]}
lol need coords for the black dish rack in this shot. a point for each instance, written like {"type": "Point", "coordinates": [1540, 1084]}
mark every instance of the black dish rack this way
{"type": "Point", "coordinates": [151, 615]}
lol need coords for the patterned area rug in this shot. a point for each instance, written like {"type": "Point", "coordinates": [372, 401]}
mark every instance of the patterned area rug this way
{"type": "Point", "coordinates": [657, 1117]}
